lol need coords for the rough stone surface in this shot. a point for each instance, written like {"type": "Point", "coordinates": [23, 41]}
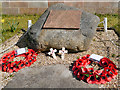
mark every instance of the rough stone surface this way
{"type": "Point", "coordinates": [56, 17]}
{"type": "Point", "coordinates": [38, 38]}
{"type": "Point", "coordinates": [52, 76]}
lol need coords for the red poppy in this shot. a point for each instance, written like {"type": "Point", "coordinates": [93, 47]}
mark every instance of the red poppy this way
{"type": "Point", "coordinates": [98, 79]}
{"type": "Point", "coordinates": [30, 53]}
{"type": "Point", "coordinates": [74, 64]}
{"type": "Point", "coordinates": [91, 79]}
{"type": "Point", "coordinates": [20, 55]}
{"type": "Point", "coordinates": [30, 50]}
{"type": "Point", "coordinates": [33, 58]}
{"type": "Point", "coordinates": [87, 56]}
{"type": "Point", "coordinates": [8, 65]}
{"type": "Point", "coordinates": [0, 61]}
{"type": "Point", "coordinates": [78, 64]}
{"type": "Point", "coordinates": [26, 62]}
{"type": "Point", "coordinates": [104, 62]}
{"type": "Point", "coordinates": [0, 67]}
{"type": "Point", "coordinates": [19, 62]}
{"type": "Point", "coordinates": [4, 56]}
{"type": "Point", "coordinates": [31, 61]}
{"type": "Point", "coordinates": [98, 72]}
{"type": "Point", "coordinates": [4, 62]}
{"type": "Point", "coordinates": [84, 77]}
{"type": "Point", "coordinates": [91, 70]}
{"type": "Point", "coordinates": [7, 69]}
{"type": "Point", "coordinates": [112, 65]}
{"type": "Point", "coordinates": [106, 69]}
{"type": "Point", "coordinates": [75, 72]}
{"type": "Point", "coordinates": [85, 63]}
{"type": "Point", "coordinates": [112, 74]}
{"type": "Point", "coordinates": [109, 78]}
{"type": "Point", "coordinates": [85, 71]}
{"type": "Point", "coordinates": [89, 61]}
{"type": "Point", "coordinates": [84, 57]}
{"type": "Point", "coordinates": [29, 56]}
{"type": "Point", "coordinates": [74, 68]}
{"type": "Point", "coordinates": [4, 68]}
{"type": "Point", "coordinates": [79, 75]}
{"type": "Point", "coordinates": [82, 62]}
{"type": "Point", "coordinates": [15, 69]}
{"type": "Point", "coordinates": [21, 65]}
{"type": "Point", "coordinates": [10, 70]}
{"type": "Point", "coordinates": [14, 63]}
{"type": "Point", "coordinates": [103, 79]}
{"type": "Point", "coordinates": [11, 55]}
{"type": "Point", "coordinates": [115, 71]}
{"type": "Point", "coordinates": [85, 74]}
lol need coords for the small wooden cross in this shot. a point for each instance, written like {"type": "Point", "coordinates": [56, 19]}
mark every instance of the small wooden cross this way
{"type": "Point", "coordinates": [52, 53]}
{"type": "Point", "coordinates": [62, 52]}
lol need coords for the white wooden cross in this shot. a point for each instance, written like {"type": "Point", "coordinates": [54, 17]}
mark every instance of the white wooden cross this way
{"type": "Point", "coordinates": [52, 53]}
{"type": "Point", "coordinates": [62, 52]}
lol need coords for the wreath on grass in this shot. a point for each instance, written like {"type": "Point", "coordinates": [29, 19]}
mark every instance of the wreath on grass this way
{"type": "Point", "coordinates": [83, 69]}
{"type": "Point", "coordinates": [10, 65]}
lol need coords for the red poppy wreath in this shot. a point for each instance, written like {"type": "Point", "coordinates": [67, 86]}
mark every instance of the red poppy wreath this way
{"type": "Point", "coordinates": [9, 65]}
{"type": "Point", "coordinates": [105, 72]}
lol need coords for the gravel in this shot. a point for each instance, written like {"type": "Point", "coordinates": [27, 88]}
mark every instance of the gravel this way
{"type": "Point", "coordinates": [99, 45]}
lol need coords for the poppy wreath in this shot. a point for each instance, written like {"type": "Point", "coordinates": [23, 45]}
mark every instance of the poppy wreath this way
{"type": "Point", "coordinates": [106, 72]}
{"type": "Point", "coordinates": [9, 65]}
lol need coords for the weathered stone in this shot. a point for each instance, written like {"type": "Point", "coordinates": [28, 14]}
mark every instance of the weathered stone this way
{"type": "Point", "coordinates": [69, 18]}
{"type": "Point", "coordinates": [73, 40]}
{"type": "Point", "coordinates": [52, 76]}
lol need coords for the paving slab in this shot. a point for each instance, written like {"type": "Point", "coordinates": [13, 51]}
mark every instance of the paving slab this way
{"type": "Point", "coordinates": [52, 76]}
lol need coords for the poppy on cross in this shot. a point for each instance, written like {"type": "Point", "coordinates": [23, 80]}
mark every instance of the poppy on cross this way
{"type": "Point", "coordinates": [62, 52]}
{"type": "Point", "coordinates": [52, 53]}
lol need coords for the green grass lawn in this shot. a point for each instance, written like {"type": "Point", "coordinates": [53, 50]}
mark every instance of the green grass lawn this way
{"type": "Point", "coordinates": [22, 20]}
{"type": "Point", "coordinates": [112, 21]}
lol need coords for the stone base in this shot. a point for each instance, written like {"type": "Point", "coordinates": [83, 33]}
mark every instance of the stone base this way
{"type": "Point", "coordinates": [53, 76]}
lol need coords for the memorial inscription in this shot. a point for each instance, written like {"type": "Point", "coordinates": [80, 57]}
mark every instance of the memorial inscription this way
{"type": "Point", "coordinates": [66, 19]}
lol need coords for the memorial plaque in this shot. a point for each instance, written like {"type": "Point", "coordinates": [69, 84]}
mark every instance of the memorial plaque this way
{"type": "Point", "coordinates": [66, 19]}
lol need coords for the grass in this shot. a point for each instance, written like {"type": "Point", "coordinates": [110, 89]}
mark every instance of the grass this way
{"type": "Point", "coordinates": [22, 20]}
{"type": "Point", "coordinates": [113, 21]}
{"type": "Point", "coordinates": [111, 18]}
